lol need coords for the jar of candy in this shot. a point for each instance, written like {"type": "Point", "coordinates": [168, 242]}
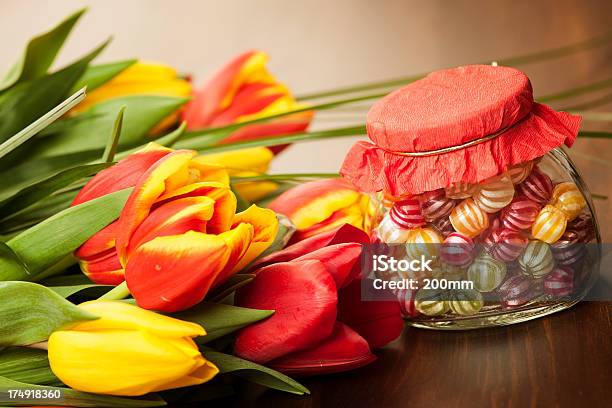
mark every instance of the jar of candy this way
{"type": "Point", "coordinates": [469, 177]}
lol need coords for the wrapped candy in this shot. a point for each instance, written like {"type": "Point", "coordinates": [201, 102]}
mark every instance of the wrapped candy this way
{"type": "Point", "coordinates": [520, 214]}
{"type": "Point", "coordinates": [519, 172]}
{"type": "Point", "coordinates": [407, 214]}
{"type": "Point", "coordinates": [435, 205]}
{"type": "Point", "coordinates": [560, 282]}
{"type": "Point", "coordinates": [468, 218]}
{"type": "Point", "coordinates": [460, 190]}
{"type": "Point", "coordinates": [549, 225]}
{"type": "Point", "coordinates": [515, 291]}
{"type": "Point", "coordinates": [505, 245]}
{"type": "Point", "coordinates": [431, 302]}
{"type": "Point", "coordinates": [494, 194]}
{"type": "Point", "coordinates": [425, 242]}
{"type": "Point", "coordinates": [569, 249]}
{"type": "Point", "coordinates": [537, 187]}
{"type": "Point", "coordinates": [457, 250]}
{"type": "Point", "coordinates": [406, 299]}
{"type": "Point", "coordinates": [466, 302]}
{"type": "Point", "coordinates": [568, 199]}
{"type": "Point", "coordinates": [389, 232]}
{"type": "Point", "coordinates": [537, 260]}
{"type": "Point", "coordinates": [486, 273]}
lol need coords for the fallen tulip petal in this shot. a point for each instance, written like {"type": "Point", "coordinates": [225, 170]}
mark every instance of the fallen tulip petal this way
{"type": "Point", "coordinates": [342, 351]}
{"type": "Point", "coordinates": [379, 322]}
{"type": "Point", "coordinates": [173, 273]}
{"type": "Point", "coordinates": [303, 295]}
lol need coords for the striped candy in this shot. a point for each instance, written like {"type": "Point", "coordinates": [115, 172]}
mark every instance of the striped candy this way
{"type": "Point", "coordinates": [505, 245]}
{"type": "Point", "coordinates": [583, 225]}
{"type": "Point", "coordinates": [460, 190]}
{"type": "Point", "coordinates": [568, 199]}
{"type": "Point", "coordinates": [469, 219]}
{"type": "Point", "coordinates": [569, 249]}
{"type": "Point", "coordinates": [407, 213]}
{"type": "Point", "coordinates": [520, 214]}
{"type": "Point", "coordinates": [515, 291]}
{"type": "Point", "coordinates": [495, 193]}
{"type": "Point", "coordinates": [423, 242]}
{"type": "Point", "coordinates": [549, 225]}
{"type": "Point", "coordinates": [444, 226]}
{"type": "Point", "coordinates": [486, 273]}
{"type": "Point", "coordinates": [449, 272]}
{"type": "Point", "coordinates": [406, 299]}
{"type": "Point", "coordinates": [432, 302]}
{"type": "Point", "coordinates": [388, 232]}
{"type": "Point", "coordinates": [519, 172]}
{"type": "Point", "coordinates": [466, 302]}
{"type": "Point", "coordinates": [537, 260]}
{"type": "Point", "coordinates": [435, 205]}
{"type": "Point", "coordinates": [537, 187]}
{"type": "Point", "coordinates": [560, 282]}
{"type": "Point", "coordinates": [457, 250]}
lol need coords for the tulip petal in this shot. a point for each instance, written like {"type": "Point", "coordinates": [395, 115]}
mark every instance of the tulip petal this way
{"type": "Point", "coordinates": [124, 174]}
{"type": "Point", "coordinates": [104, 269]}
{"type": "Point", "coordinates": [119, 315]}
{"type": "Point", "coordinates": [285, 125]}
{"type": "Point", "coordinates": [313, 202]}
{"type": "Point", "coordinates": [102, 242]}
{"type": "Point", "coordinates": [379, 322]}
{"type": "Point", "coordinates": [165, 175]}
{"type": "Point", "coordinates": [225, 203]}
{"type": "Point", "coordinates": [341, 260]}
{"type": "Point", "coordinates": [343, 234]}
{"type": "Point", "coordinates": [303, 294]}
{"type": "Point", "coordinates": [265, 226]}
{"type": "Point", "coordinates": [342, 351]}
{"type": "Point", "coordinates": [202, 171]}
{"type": "Point", "coordinates": [175, 272]}
{"type": "Point", "coordinates": [352, 215]}
{"type": "Point", "coordinates": [238, 241]}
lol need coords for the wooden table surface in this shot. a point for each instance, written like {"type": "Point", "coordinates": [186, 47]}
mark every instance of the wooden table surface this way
{"type": "Point", "coordinates": [560, 360]}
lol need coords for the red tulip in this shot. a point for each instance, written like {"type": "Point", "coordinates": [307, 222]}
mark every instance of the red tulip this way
{"type": "Point", "coordinates": [321, 325]}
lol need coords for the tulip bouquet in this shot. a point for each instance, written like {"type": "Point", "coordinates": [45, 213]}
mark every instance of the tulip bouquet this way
{"type": "Point", "coordinates": [146, 256]}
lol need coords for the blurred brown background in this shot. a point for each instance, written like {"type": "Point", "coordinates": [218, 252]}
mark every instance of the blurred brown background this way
{"type": "Point", "coordinates": [316, 45]}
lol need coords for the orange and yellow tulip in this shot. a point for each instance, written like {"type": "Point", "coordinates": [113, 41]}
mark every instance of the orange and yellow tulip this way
{"type": "Point", "coordinates": [178, 234]}
{"type": "Point", "coordinates": [244, 90]}
{"type": "Point", "coordinates": [128, 351]}
{"type": "Point", "coordinates": [322, 205]}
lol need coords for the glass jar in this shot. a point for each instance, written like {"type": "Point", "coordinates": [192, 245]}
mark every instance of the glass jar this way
{"type": "Point", "coordinates": [515, 247]}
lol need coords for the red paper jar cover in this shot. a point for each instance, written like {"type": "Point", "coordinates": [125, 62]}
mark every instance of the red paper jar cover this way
{"type": "Point", "coordinates": [451, 108]}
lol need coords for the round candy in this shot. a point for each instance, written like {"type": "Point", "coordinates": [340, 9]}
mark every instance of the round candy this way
{"type": "Point", "coordinates": [583, 226]}
{"type": "Point", "coordinates": [549, 225]}
{"type": "Point", "coordinates": [406, 299]}
{"type": "Point", "coordinates": [460, 190]}
{"type": "Point", "coordinates": [449, 272]}
{"type": "Point", "coordinates": [435, 205]}
{"type": "Point", "coordinates": [560, 282]}
{"type": "Point", "coordinates": [505, 245]}
{"type": "Point", "coordinates": [519, 172]}
{"type": "Point", "coordinates": [432, 302]}
{"type": "Point", "coordinates": [569, 249]}
{"type": "Point", "coordinates": [537, 187]}
{"type": "Point", "coordinates": [515, 291]}
{"type": "Point", "coordinates": [520, 214]}
{"type": "Point", "coordinates": [457, 250]}
{"type": "Point", "coordinates": [537, 260]}
{"type": "Point", "coordinates": [425, 242]}
{"type": "Point", "coordinates": [407, 214]}
{"type": "Point", "coordinates": [495, 193]}
{"type": "Point", "coordinates": [389, 232]}
{"type": "Point", "coordinates": [568, 199]}
{"type": "Point", "coordinates": [466, 302]}
{"type": "Point", "coordinates": [486, 273]}
{"type": "Point", "coordinates": [444, 226]}
{"type": "Point", "coordinates": [469, 219]}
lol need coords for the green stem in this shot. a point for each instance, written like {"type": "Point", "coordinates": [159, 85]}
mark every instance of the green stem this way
{"type": "Point", "coordinates": [284, 177]}
{"type": "Point", "coordinates": [580, 90]}
{"type": "Point", "coordinates": [119, 292]}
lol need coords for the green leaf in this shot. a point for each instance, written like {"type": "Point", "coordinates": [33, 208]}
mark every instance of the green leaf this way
{"type": "Point", "coordinates": [27, 101]}
{"type": "Point", "coordinates": [171, 138]}
{"type": "Point", "coordinates": [255, 373]}
{"type": "Point", "coordinates": [285, 230]}
{"type": "Point", "coordinates": [40, 53]}
{"type": "Point", "coordinates": [219, 319]}
{"type": "Point", "coordinates": [34, 128]}
{"type": "Point", "coordinates": [32, 194]}
{"type": "Point", "coordinates": [577, 91]}
{"type": "Point", "coordinates": [46, 243]}
{"type": "Point", "coordinates": [285, 177]}
{"type": "Point", "coordinates": [142, 113]}
{"type": "Point", "coordinates": [229, 286]}
{"type": "Point", "coordinates": [67, 280]}
{"type": "Point", "coordinates": [27, 365]}
{"type": "Point", "coordinates": [97, 75]}
{"type": "Point", "coordinates": [29, 313]}
{"type": "Point", "coordinates": [73, 398]}
{"type": "Point", "coordinates": [596, 135]}
{"type": "Point", "coordinates": [66, 291]}
{"type": "Point", "coordinates": [9, 257]}
{"type": "Point", "coordinates": [113, 142]}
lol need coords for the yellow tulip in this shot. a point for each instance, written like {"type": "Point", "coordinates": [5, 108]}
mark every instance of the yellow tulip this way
{"type": "Point", "coordinates": [128, 351]}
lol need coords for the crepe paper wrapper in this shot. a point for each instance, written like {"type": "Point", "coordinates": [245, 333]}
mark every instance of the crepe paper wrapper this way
{"type": "Point", "coordinates": [450, 108]}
